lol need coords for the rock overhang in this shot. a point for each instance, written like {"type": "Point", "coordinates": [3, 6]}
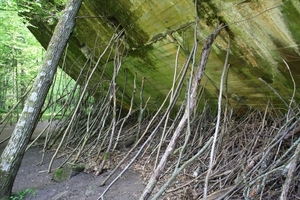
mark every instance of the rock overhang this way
{"type": "Point", "coordinates": [262, 35]}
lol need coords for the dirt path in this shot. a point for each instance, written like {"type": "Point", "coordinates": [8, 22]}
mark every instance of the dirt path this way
{"type": "Point", "coordinates": [82, 186]}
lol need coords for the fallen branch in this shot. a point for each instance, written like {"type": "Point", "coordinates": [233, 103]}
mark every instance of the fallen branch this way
{"type": "Point", "coordinates": [212, 153]}
{"type": "Point", "coordinates": [292, 167]}
{"type": "Point", "coordinates": [178, 170]}
{"type": "Point", "coordinates": [196, 82]}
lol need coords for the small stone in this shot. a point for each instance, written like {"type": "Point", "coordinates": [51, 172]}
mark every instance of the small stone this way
{"type": "Point", "coordinates": [66, 172]}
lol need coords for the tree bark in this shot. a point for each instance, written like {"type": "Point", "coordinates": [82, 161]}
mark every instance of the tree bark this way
{"type": "Point", "coordinates": [12, 155]}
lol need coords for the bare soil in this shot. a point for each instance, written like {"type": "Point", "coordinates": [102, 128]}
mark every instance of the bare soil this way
{"type": "Point", "coordinates": [33, 175]}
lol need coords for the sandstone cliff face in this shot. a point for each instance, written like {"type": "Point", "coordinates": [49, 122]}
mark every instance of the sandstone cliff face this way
{"type": "Point", "coordinates": [262, 33]}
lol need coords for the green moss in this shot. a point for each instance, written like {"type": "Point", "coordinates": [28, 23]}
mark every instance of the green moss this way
{"type": "Point", "coordinates": [290, 14]}
{"type": "Point", "coordinates": [60, 175]}
{"type": "Point", "coordinates": [117, 12]}
{"type": "Point", "coordinates": [142, 58]}
{"type": "Point", "coordinates": [208, 11]}
{"type": "Point", "coordinates": [60, 2]}
{"type": "Point", "coordinates": [106, 155]}
{"type": "Point", "coordinates": [22, 194]}
{"type": "Point", "coordinates": [77, 167]}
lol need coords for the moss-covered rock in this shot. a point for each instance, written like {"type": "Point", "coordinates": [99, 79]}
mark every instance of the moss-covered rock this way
{"type": "Point", "coordinates": [66, 172]}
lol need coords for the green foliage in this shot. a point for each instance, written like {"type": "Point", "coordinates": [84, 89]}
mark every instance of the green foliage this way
{"type": "Point", "coordinates": [21, 54]}
{"type": "Point", "coordinates": [60, 2]}
{"type": "Point", "coordinates": [41, 11]}
{"type": "Point", "coordinates": [23, 193]}
{"type": "Point", "coordinates": [59, 172]}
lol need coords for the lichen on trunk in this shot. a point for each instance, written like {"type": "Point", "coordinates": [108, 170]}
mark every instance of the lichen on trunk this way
{"type": "Point", "coordinates": [12, 155]}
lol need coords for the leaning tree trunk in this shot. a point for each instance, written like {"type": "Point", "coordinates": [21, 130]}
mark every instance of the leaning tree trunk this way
{"type": "Point", "coordinates": [12, 155]}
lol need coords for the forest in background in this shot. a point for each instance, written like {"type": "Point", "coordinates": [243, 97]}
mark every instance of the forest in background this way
{"type": "Point", "coordinates": [225, 155]}
{"type": "Point", "coordinates": [21, 57]}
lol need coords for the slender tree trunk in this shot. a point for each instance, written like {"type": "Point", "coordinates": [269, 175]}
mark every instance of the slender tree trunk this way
{"type": "Point", "coordinates": [23, 87]}
{"type": "Point", "coordinates": [12, 155]}
{"type": "Point", "coordinates": [17, 82]}
{"type": "Point", "coordinates": [2, 93]}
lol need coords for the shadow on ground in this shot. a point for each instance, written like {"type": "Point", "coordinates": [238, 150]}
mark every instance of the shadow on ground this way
{"type": "Point", "coordinates": [33, 175]}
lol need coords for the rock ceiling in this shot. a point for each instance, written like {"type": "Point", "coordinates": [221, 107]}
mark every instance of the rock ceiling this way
{"type": "Point", "coordinates": [263, 34]}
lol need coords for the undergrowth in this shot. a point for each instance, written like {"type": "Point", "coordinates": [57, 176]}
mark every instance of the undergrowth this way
{"type": "Point", "coordinates": [22, 194]}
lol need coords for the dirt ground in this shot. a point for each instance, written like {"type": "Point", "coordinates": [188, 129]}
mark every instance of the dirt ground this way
{"type": "Point", "coordinates": [34, 177]}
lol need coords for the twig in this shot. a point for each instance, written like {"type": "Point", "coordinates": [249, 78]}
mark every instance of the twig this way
{"type": "Point", "coordinates": [130, 107]}
{"type": "Point", "coordinates": [78, 105]}
{"type": "Point", "coordinates": [294, 91]}
{"type": "Point", "coordinates": [162, 138]}
{"type": "Point", "coordinates": [178, 170]}
{"type": "Point", "coordinates": [15, 106]}
{"type": "Point", "coordinates": [138, 142]}
{"type": "Point", "coordinates": [196, 81]}
{"type": "Point", "coordinates": [117, 66]}
{"type": "Point", "coordinates": [137, 154]}
{"type": "Point", "coordinates": [37, 137]}
{"type": "Point", "coordinates": [275, 92]}
{"type": "Point", "coordinates": [212, 156]}
{"type": "Point", "coordinates": [292, 167]}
